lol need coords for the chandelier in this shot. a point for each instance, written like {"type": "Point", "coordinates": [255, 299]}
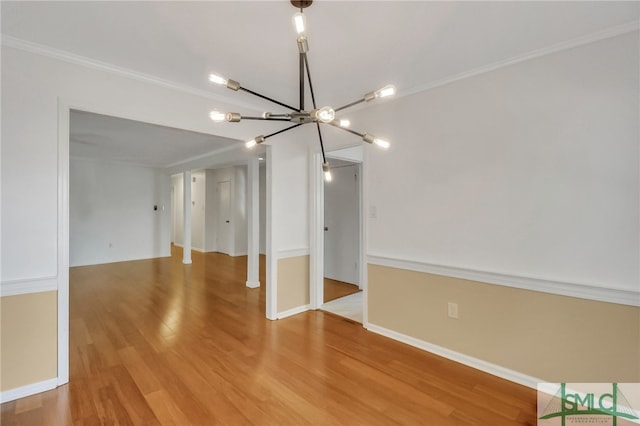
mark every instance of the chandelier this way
{"type": "Point", "coordinates": [299, 116]}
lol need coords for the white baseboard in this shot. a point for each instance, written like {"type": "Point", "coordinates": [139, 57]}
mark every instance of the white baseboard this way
{"type": "Point", "coordinates": [253, 284]}
{"type": "Point", "coordinates": [24, 391]}
{"type": "Point", "coordinates": [478, 364]}
{"type": "Point", "coordinates": [293, 311]}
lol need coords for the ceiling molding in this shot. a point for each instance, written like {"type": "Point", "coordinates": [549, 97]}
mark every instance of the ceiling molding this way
{"type": "Point", "coordinates": [569, 44]}
{"type": "Point", "coordinates": [61, 55]}
{"type": "Point", "coordinates": [187, 161]}
{"type": "Point", "coordinates": [122, 163]}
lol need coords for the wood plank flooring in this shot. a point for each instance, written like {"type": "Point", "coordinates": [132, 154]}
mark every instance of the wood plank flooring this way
{"type": "Point", "coordinates": [157, 342]}
{"type": "Point", "coordinates": [334, 289]}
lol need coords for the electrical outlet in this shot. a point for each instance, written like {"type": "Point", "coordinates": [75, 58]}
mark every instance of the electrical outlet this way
{"type": "Point", "coordinates": [452, 309]}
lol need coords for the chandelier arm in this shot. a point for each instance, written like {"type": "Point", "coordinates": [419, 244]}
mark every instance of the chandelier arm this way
{"type": "Point", "coordinates": [266, 118]}
{"type": "Point", "coordinates": [302, 62]}
{"type": "Point", "coordinates": [269, 99]}
{"type": "Point", "coordinates": [350, 105]}
{"type": "Point", "coordinates": [324, 160]}
{"type": "Point", "coordinates": [313, 96]}
{"type": "Point", "coordinates": [283, 130]}
{"type": "Point", "coordinates": [345, 129]}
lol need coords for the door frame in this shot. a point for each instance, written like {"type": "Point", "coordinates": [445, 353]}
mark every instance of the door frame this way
{"type": "Point", "coordinates": [316, 232]}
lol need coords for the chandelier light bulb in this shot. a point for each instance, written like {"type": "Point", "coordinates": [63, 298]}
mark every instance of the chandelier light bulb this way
{"type": "Point", "coordinates": [326, 114]}
{"type": "Point", "coordinates": [344, 123]}
{"type": "Point", "coordinates": [214, 78]}
{"type": "Point", "coordinates": [299, 21]}
{"type": "Point", "coordinates": [369, 138]}
{"type": "Point", "coordinates": [388, 90]}
{"type": "Point", "coordinates": [327, 172]}
{"type": "Point", "coordinates": [217, 116]}
{"type": "Point", "coordinates": [253, 142]}
{"type": "Point", "coordinates": [382, 143]}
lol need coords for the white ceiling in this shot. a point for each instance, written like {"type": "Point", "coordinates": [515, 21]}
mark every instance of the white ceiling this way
{"type": "Point", "coordinates": [355, 46]}
{"type": "Point", "coordinates": [119, 140]}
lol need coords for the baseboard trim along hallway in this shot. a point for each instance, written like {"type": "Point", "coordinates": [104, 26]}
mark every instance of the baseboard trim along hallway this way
{"type": "Point", "coordinates": [487, 367]}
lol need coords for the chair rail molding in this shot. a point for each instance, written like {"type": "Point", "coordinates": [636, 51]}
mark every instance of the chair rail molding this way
{"type": "Point", "coordinates": [28, 286]}
{"type": "Point", "coordinates": [582, 291]}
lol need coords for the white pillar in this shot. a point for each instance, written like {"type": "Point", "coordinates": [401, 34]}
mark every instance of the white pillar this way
{"type": "Point", "coordinates": [253, 223]}
{"type": "Point", "coordinates": [186, 224]}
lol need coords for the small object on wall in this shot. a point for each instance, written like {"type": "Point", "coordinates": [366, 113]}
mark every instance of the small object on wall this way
{"type": "Point", "coordinates": [373, 212]}
{"type": "Point", "coordinates": [452, 310]}
{"type": "Point", "coordinates": [155, 208]}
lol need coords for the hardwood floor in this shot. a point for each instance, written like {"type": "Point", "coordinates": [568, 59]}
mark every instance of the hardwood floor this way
{"type": "Point", "coordinates": [156, 342]}
{"type": "Point", "coordinates": [336, 289]}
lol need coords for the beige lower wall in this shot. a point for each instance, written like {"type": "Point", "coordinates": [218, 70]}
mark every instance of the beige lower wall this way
{"type": "Point", "coordinates": [550, 337]}
{"type": "Point", "coordinates": [28, 339]}
{"type": "Point", "coordinates": [293, 282]}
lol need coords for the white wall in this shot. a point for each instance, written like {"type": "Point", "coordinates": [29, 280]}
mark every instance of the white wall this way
{"type": "Point", "coordinates": [530, 170]}
{"type": "Point", "coordinates": [111, 213]}
{"type": "Point", "coordinates": [290, 182]}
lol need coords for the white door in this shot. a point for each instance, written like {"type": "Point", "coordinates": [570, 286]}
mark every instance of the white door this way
{"type": "Point", "coordinates": [223, 222]}
{"type": "Point", "coordinates": [342, 225]}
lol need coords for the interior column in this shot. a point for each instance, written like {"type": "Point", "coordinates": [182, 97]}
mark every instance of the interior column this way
{"type": "Point", "coordinates": [253, 223]}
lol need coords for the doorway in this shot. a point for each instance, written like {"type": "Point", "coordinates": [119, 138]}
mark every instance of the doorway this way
{"type": "Point", "coordinates": [342, 292]}
{"type": "Point", "coordinates": [65, 136]}
{"type": "Point", "coordinates": [342, 233]}
{"type": "Point", "coordinates": [223, 222]}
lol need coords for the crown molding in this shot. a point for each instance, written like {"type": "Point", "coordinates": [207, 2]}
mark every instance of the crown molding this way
{"type": "Point", "coordinates": [582, 291]}
{"type": "Point", "coordinates": [65, 56]}
{"type": "Point", "coordinates": [72, 58]}
{"type": "Point", "coordinates": [618, 30]}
